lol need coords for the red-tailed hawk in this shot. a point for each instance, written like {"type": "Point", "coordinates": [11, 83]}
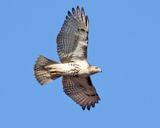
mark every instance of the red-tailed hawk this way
{"type": "Point", "coordinates": [72, 42]}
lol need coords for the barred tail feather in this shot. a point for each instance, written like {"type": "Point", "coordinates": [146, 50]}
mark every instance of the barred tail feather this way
{"type": "Point", "coordinates": [42, 74]}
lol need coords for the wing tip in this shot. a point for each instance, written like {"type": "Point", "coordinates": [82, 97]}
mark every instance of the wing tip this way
{"type": "Point", "coordinates": [79, 13]}
{"type": "Point", "coordinates": [69, 13]}
{"type": "Point", "coordinates": [78, 8]}
{"type": "Point", "coordinates": [88, 107]}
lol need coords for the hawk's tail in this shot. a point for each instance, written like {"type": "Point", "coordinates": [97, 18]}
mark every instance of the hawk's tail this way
{"type": "Point", "coordinates": [42, 74]}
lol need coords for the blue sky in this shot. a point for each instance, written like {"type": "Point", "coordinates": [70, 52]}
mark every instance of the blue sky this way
{"type": "Point", "coordinates": [124, 40]}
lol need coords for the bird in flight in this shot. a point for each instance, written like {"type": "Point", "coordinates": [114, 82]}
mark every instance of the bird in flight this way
{"type": "Point", "coordinates": [72, 43]}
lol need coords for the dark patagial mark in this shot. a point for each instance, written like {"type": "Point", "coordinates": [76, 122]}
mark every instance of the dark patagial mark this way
{"type": "Point", "coordinates": [81, 29]}
{"type": "Point", "coordinates": [89, 81]}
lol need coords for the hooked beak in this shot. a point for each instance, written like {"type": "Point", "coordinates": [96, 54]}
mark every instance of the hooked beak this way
{"type": "Point", "coordinates": [100, 70]}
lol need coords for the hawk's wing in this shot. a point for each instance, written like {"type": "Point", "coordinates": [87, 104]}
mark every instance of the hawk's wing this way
{"type": "Point", "coordinates": [72, 40]}
{"type": "Point", "coordinates": [81, 90]}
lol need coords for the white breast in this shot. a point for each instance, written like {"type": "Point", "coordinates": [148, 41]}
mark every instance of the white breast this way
{"type": "Point", "coordinates": [83, 64]}
{"type": "Point", "coordinates": [83, 67]}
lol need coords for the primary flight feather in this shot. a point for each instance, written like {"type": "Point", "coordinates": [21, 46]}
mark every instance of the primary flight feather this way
{"type": "Point", "coordinates": [72, 43]}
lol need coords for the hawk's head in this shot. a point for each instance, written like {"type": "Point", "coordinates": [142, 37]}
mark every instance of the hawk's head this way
{"type": "Point", "coordinates": [94, 69]}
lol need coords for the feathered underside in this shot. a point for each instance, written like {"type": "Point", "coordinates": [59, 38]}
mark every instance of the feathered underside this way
{"type": "Point", "coordinates": [72, 43]}
{"type": "Point", "coordinates": [72, 39]}
{"type": "Point", "coordinates": [81, 90]}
